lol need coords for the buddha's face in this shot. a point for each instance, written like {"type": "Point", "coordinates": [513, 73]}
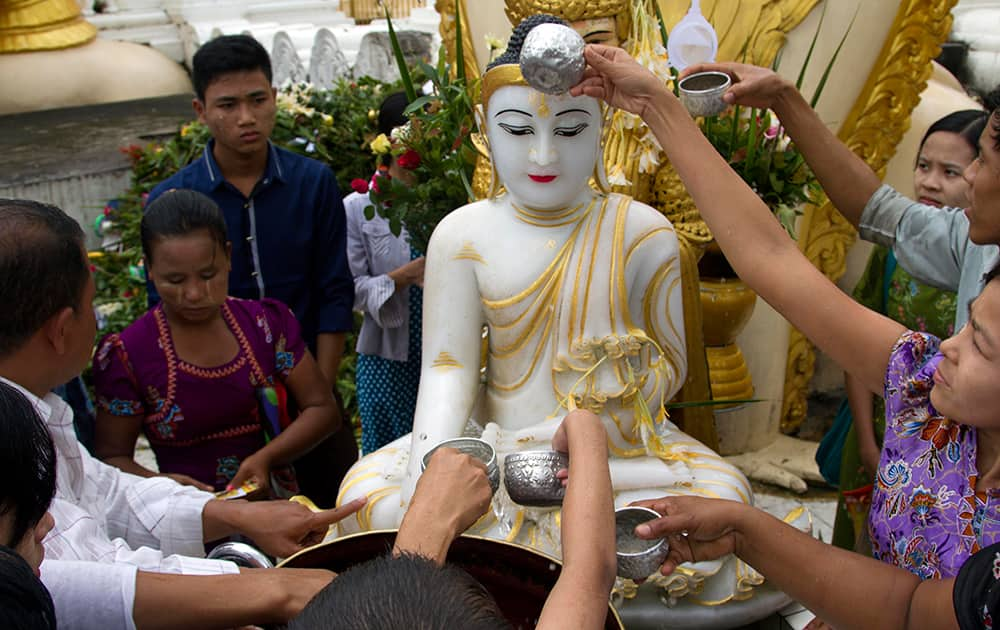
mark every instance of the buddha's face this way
{"type": "Point", "coordinates": [544, 147]}
{"type": "Point", "coordinates": [601, 30]}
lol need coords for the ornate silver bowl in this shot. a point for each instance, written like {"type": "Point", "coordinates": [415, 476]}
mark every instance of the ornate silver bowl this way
{"type": "Point", "coordinates": [701, 93]}
{"type": "Point", "coordinates": [637, 558]}
{"type": "Point", "coordinates": [530, 477]}
{"type": "Point", "coordinates": [480, 449]}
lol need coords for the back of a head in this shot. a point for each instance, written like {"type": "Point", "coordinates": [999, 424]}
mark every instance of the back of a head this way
{"type": "Point", "coordinates": [27, 464]}
{"type": "Point", "coordinates": [406, 591]}
{"type": "Point", "coordinates": [390, 112]}
{"type": "Point", "coordinates": [25, 604]}
{"type": "Point", "coordinates": [43, 268]}
{"type": "Point", "coordinates": [226, 54]}
{"type": "Point", "coordinates": [179, 212]}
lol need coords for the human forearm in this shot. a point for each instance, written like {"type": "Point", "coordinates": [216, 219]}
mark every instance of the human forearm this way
{"type": "Point", "coordinates": [846, 179]}
{"type": "Point", "coordinates": [313, 425]}
{"type": "Point", "coordinates": [831, 589]}
{"type": "Point", "coordinates": [329, 352]}
{"type": "Point", "coordinates": [255, 596]}
{"type": "Point", "coordinates": [127, 464]}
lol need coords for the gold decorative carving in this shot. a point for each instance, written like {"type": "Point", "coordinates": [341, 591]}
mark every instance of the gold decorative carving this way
{"type": "Point", "coordinates": [31, 25]}
{"type": "Point", "coordinates": [446, 9]}
{"type": "Point", "coordinates": [880, 117]}
{"type": "Point", "coordinates": [364, 11]}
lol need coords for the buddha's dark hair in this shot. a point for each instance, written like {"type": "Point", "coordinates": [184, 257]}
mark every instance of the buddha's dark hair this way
{"type": "Point", "coordinates": [25, 604]}
{"type": "Point", "coordinates": [43, 268]}
{"type": "Point", "coordinates": [226, 54]}
{"type": "Point", "coordinates": [405, 591]}
{"type": "Point", "coordinates": [513, 52]}
{"type": "Point", "coordinates": [179, 212]}
{"type": "Point", "coordinates": [27, 464]}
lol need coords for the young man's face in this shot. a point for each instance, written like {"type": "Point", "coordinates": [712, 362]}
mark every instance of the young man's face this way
{"type": "Point", "coordinates": [239, 109]}
{"type": "Point", "coordinates": [983, 175]}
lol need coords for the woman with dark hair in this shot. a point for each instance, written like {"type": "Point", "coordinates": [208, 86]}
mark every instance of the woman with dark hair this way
{"type": "Point", "coordinates": [28, 468]}
{"type": "Point", "coordinates": [947, 148]}
{"type": "Point", "coordinates": [197, 372]}
{"type": "Point", "coordinates": [388, 291]}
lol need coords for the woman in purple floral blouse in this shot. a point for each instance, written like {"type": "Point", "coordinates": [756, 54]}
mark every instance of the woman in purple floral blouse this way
{"type": "Point", "coordinates": [189, 373]}
{"type": "Point", "coordinates": [937, 497]}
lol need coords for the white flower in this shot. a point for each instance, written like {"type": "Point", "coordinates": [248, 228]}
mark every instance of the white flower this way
{"type": "Point", "coordinates": [616, 177]}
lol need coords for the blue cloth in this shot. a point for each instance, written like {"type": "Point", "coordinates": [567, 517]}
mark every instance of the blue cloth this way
{"type": "Point", "coordinates": [289, 237]}
{"type": "Point", "coordinates": [387, 389]}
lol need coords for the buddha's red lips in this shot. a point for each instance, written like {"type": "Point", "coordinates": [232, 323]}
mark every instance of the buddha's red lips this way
{"type": "Point", "coordinates": [542, 179]}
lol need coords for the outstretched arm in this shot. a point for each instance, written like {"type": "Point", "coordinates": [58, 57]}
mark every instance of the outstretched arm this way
{"type": "Point", "coordinates": [753, 241]}
{"type": "Point", "coordinates": [704, 529]}
{"type": "Point", "coordinates": [846, 179]}
{"type": "Point", "coordinates": [580, 596]}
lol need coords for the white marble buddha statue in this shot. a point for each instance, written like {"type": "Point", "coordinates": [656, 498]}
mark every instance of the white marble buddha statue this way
{"type": "Point", "coordinates": [580, 292]}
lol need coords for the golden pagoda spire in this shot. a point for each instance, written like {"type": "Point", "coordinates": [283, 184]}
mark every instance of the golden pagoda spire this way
{"type": "Point", "coordinates": [30, 25]}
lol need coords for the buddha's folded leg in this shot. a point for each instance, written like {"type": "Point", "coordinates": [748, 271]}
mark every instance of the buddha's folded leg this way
{"type": "Point", "coordinates": [377, 476]}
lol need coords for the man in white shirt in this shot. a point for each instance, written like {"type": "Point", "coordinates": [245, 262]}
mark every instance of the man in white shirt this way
{"type": "Point", "coordinates": [123, 551]}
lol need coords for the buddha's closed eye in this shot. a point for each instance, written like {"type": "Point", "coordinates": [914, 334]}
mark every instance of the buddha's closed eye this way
{"type": "Point", "coordinates": [569, 132]}
{"type": "Point", "coordinates": [517, 130]}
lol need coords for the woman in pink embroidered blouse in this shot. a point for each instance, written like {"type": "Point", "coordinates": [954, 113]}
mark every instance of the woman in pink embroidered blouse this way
{"type": "Point", "coordinates": [188, 373]}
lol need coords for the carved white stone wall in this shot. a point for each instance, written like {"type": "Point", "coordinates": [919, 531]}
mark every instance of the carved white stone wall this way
{"type": "Point", "coordinates": [327, 62]}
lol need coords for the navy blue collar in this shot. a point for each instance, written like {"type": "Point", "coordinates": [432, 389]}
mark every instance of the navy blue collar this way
{"type": "Point", "coordinates": [272, 172]}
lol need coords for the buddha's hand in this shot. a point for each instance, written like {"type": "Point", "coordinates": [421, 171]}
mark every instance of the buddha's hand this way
{"type": "Point", "coordinates": [696, 528]}
{"type": "Point", "coordinates": [752, 86]}
{"type": "Point", "coordinates": [615, 77]}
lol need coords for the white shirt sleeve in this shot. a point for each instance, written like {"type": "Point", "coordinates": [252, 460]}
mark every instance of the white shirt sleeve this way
{"type": "Point", "coordinates": [91, 595]}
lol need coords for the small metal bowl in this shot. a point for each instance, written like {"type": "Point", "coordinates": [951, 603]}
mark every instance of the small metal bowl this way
{"type": "Point", "coordinates": [530, 477]}
{"type": "Point", "coordinates": [480, 449]}
{"type": "Point", "coordinates": [241, 554]}
{"type": "Point", "coordinates": [637, 558]}
{"type": "Point", "coordinates": [701, 93]}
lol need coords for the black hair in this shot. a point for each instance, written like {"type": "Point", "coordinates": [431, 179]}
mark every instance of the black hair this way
{"type": "Point", "coordinates": [516, 41]}
{"type": "Point", "coordinates": [25, 604]}
{"type": "Point", "coordinates": [967, 123]}
{"type": "Point", "coordinates": [405, 591]}
{"type": "Point", "coordinates": [27, 464]}
{"type": "Point", "coordinates": [225, 54]}
{"type": "Point", "coordinates": [179, 212]}
{"type": "Point", "coordinates": [43, 268]}
{"type": "Point", "coordinates": [390, 112]}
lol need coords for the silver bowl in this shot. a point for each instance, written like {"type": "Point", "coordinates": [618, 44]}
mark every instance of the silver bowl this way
{"type": "Point", "coordinates": [530, 477]}
{"type": "Point", "coordinates": [701, 93]}
{"type": "Point", "coordinates": [241, 554]}
{"type": "Point", "coordinates": [637, 558]}
{"type": "Point", "coordinates": [480, 449]}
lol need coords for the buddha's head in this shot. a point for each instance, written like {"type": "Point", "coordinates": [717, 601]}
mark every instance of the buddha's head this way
{"type": "Point", "coordinates": [597, 21]}
{"type": "Point", "coordinates": [544, 147]}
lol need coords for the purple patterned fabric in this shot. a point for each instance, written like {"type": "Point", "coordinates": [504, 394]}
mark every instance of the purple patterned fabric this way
{"type": "Point", "coordinates": [926, 516]}
{"type": "Point", "coordinates": [201, 422]}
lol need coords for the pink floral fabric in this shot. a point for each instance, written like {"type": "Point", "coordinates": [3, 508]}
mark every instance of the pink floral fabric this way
{"type": "Point", "coordinates": [926, 516]}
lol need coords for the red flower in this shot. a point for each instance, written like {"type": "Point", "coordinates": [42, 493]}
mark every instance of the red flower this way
{"type": "Point", "coordinates": [409, 160]}
{"type": "Point", "coordinates": [359, 186]}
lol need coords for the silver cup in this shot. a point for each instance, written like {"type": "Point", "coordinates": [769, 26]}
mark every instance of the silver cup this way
{"type": "Point", "coordinates": [637, 558]}
{"type": "Point", "coordinates": [701, 93]}
{"type": "Point", "coordinates": [241, 554]}
{"type": "Point", "coordinates": [530, 477]}
{"type": "Point", "coordinates": [480, 449]}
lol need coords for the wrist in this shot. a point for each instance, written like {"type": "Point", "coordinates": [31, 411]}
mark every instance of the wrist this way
{"type": "Point", "coordinates": [787, 99]}
{"type": "Point", "coordinates": [223, 518]}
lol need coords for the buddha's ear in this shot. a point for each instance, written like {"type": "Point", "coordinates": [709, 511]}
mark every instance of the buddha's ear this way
{"type": "Point", "coordinates": [479, 139]}
{"type": "Point", "coordinates": [600, 175]}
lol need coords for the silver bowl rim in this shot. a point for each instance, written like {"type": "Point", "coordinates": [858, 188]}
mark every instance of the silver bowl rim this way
{"type": "Point", "coordinates": [656, 546]}
{"type": "Point", "coordinates": [535, 455]}
{"type": "Point", "coordinates": [445, 443]}
{"type": "Point", "coordinates": [709, 91]}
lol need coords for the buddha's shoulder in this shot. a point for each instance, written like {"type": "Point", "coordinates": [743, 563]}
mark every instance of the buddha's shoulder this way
{"type": "Point", "coordinates": [473, 216]}
{"type": "Point", "coordinates": [639, 214]}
